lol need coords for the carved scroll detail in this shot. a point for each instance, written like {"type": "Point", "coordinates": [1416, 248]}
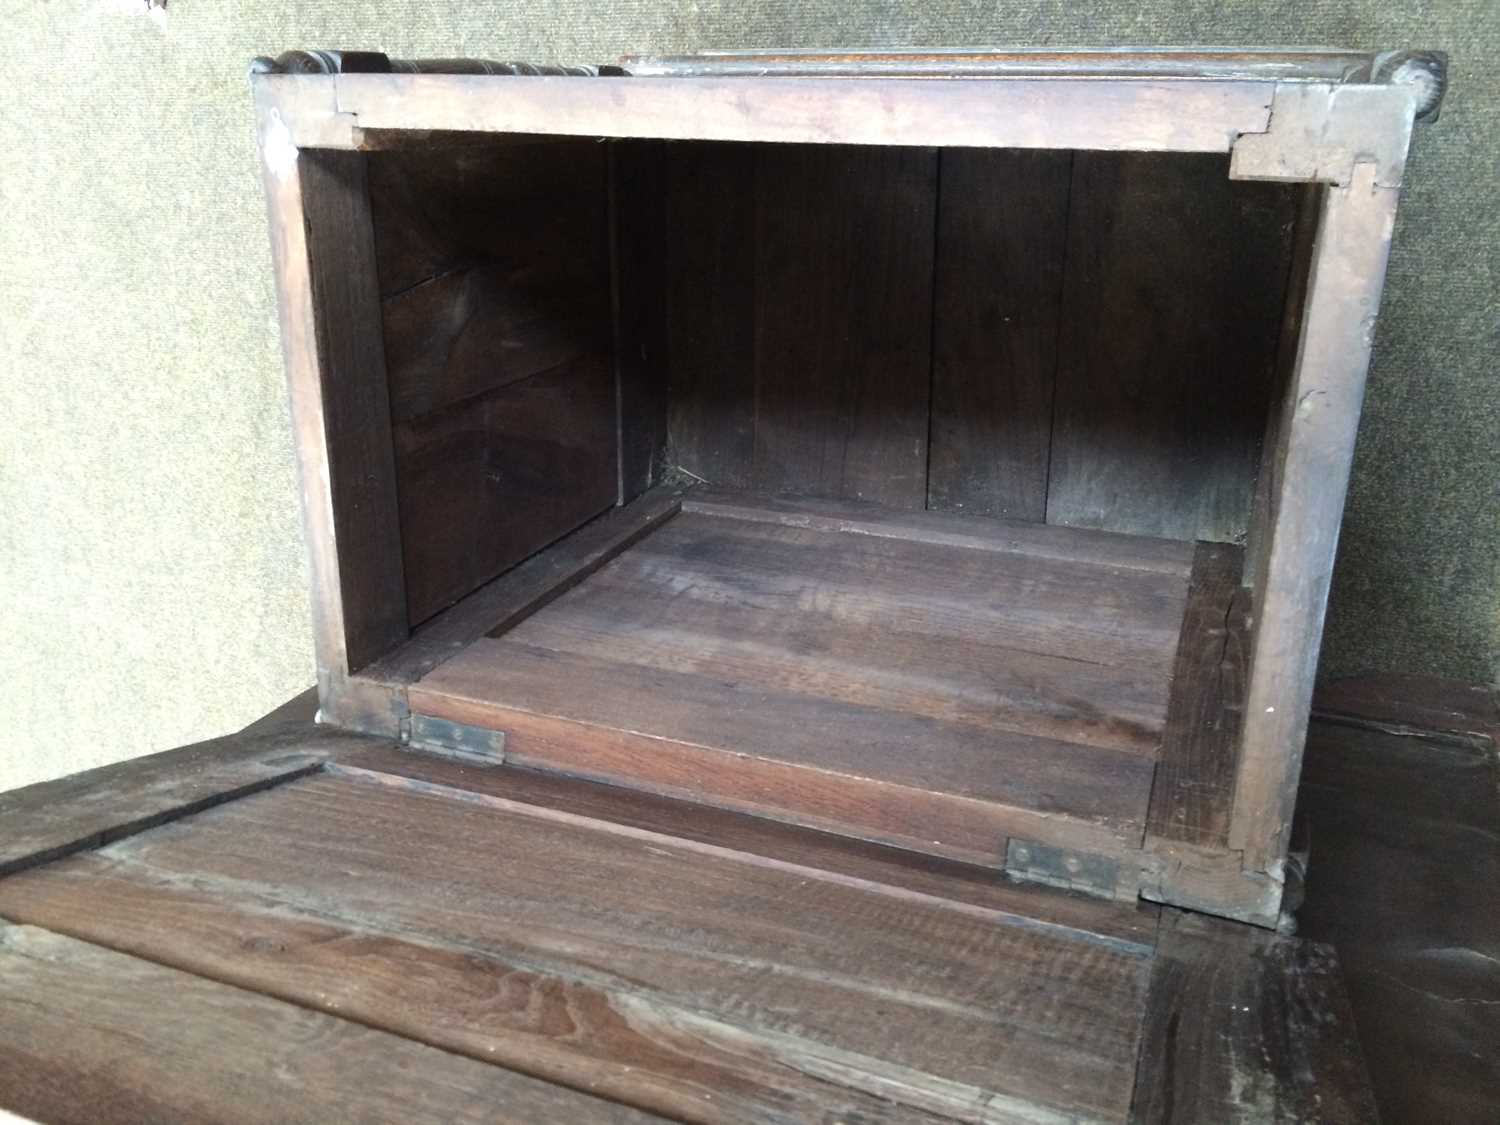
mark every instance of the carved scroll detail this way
{"type": "Point", "coordinates": [373, 62]}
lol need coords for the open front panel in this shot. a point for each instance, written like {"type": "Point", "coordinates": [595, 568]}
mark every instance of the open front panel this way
{"type": "Point", "coordinates": [971, 440]}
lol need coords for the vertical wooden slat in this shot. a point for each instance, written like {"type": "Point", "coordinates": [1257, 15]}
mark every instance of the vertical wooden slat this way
{"type": "Point", "coordinates": [843, 321]}
{"type": "Point", "coordinates": [710, 293]}
{"type": "Point", "coordinates": [1172, 300]}
{"type": "Point", "coordinates": [638, 206]}
{"type": "Point", "coordinates": [1001, 239]}
{"type": "Point", "coordinates": [1312, 474]}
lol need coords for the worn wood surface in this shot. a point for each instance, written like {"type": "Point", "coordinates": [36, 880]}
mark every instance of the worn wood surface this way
{"type": "Point", "coordinates": [836, 678]}
{"type": "Point", "coordinates": [701, 984]}
{"type": "Point", "coordinates": [1001, 244]}
{"type": "Point", "coordinates": [1063, 544]}
{"type": "Point", "coordinates": [1203, 116]}
{"type": "Point", "coordinates": [1245, 1026]}
{"type": "Point", "coordinates": [1194, 786]}
{"type": "Point", "coordinates": [356, 414]}
{"type": "Point", "coordinates": [1417, 705]}
{"type": "Point", "coordinates": [1173, 297]}
{"type": "Point", "coordinates": [893, 871]}
{"type": "Point", "coordinates": [39, 823]}
{"type": "Point", "coordinates": [843, 321]}
{"type": "Point", "coordinates": [1316, 445]}
{"type": "Point", "coordinates": [526, 588]}
{"type": "Point", "coordinates": [93, 1036]}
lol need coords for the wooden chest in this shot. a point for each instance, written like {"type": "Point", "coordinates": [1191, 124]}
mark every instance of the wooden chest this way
{"type": "Point", "coordinates": [944, 450]}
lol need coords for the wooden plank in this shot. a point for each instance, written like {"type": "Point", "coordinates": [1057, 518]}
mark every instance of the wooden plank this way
{"type": "Point", "coordinates": [1001, 242]}
{"type": "Point", "coordinates": [1136, 114]}
{"type": "Point", "coordinates": [940, 787]}
{"type": "Point", "coordinates": [1173, 294]}
{"type": "Point", "coordinates": [1247, 1026]}
{"type": "Point", "coordinates": [523, 590]}
{"type": "Point", "coordinates": [711, 300]}
{"type": "Point", "coordinates": [1413, 704]}
{"type": "Point", "coordinates": [1067, 544]}
{"type": "Point", "coordinates": [493, 262]}
{"type": "Point", "coordinates": [51, 819]}
{"type": "Point", "coordinates": [90, 1035]}
{"type": "Point", "coordinates": [1194, 786]}
{"type": "Point", "coordinates": [652, 972]}
{"type": "Point", "coordinates": [791, 615]}
{"type": "Point", "coordinates": [892, 871]}
{"type": "Point", "coordinates": [496, 478]}
{"type": "Point", "coordinates": [640, 233]}
{"type": "Point", "coordinates": [843, 321]}
{"type": "Point", "coordinates": [1313, 462]}
{"type": "Point", "coordinates": [862, 584]}
{"type": "Point", "coordinates": [356, 414]}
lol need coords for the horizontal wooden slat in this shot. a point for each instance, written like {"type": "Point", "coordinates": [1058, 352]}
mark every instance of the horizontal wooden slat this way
{"type": "Point", "coordinates": [821, 855]}
{"type": "Point", "coordinates": [92, 1036]}
{"type": "Point", "coordinates": [42, 822]}
{"type": "Point", "coordinates": [1102, 548]}
{"type": "Point", "coordinates": [1203, 116]}
{"type": "Point", "coordinates": [711, 986]}
{"type": "Point", "coordinates": [947, 788]}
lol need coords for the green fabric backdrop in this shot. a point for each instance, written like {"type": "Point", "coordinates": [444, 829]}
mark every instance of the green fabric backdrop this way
{"type": "Point", "coordinates": [150, 553]}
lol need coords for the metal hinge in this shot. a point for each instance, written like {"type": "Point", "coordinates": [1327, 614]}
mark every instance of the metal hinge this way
{"type": "Point", "coordinates": [1078, 871]}
{"type": "Point", "coordinates": [474, 745]}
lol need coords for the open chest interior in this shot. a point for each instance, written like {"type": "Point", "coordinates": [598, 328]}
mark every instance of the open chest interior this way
{"type": "Point", "coordinates": [910, 493]}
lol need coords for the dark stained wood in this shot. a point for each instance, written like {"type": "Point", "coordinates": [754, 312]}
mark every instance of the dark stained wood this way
{"type": "Point", "coordinates": [1193, 792]}
{"type": "Point", "coordinates": [527, 587]}
{"type": "Point", "coordinates": [1242, 1025]}
{"type": "Point", "coordinates": [843, 321]}
{"type": "Point", "coordinates": [493, 265]}
{"type": "Point", "coordinates": [1405, 836]}
{"type": "Point", "coordinates": [1001, 242]}
{"type": "Point", "coordinates": [1173, 297]}
{"type": "Point", "coordinates": [493, 479]}
{"type": "Point", "coordinates": [1067, 544]}
{"type": "Point", "coordinates": [894, 871]}
{"type": "Point", "coordinates": [1412, 704]}
{"type": "Point", "coordinates": [50, 819]}
{"type": "Point", "coordinates": [356, 417]}
{"type": "Point", "coordinates": [704, 984]}
{"type": "Point", "coordinates": [710, 294]}
{"type": "Point", "coordinates": [640, 233]}
{"type": "Point", "coordinates": [92, 1036]}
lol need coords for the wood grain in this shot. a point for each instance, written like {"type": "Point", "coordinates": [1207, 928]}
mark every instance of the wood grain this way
{"type": "Point", "coordinates": [821, 855]}
{"type": "Point", "coordinates": [1194, 787]}
{"type": "Point", "coordinates": [1019, 537]}
{"type": "Point", "coordinates": [50, 819]}
{"type": "Point", "coordinates": [92, 1036]}
{"type": "Point", "coordinates": [1001, 243]}
{"type": "Point", "coordinates": [524, 589]}
{"type": "Point", "coordinates": [356, 415]}
{"type": "Point", "coordinates": [844, 241]}
{"type": "Point", "coordinates": [492, 480]}
{"type": "Point", "coordinates": [651, 972]}
{"type": "Point", "coordinates": [1140, 114]}
{"type": "Point", "coordinates": [1173, 298]}
{"type": "Point", "coordinates": [1247, 1026]}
